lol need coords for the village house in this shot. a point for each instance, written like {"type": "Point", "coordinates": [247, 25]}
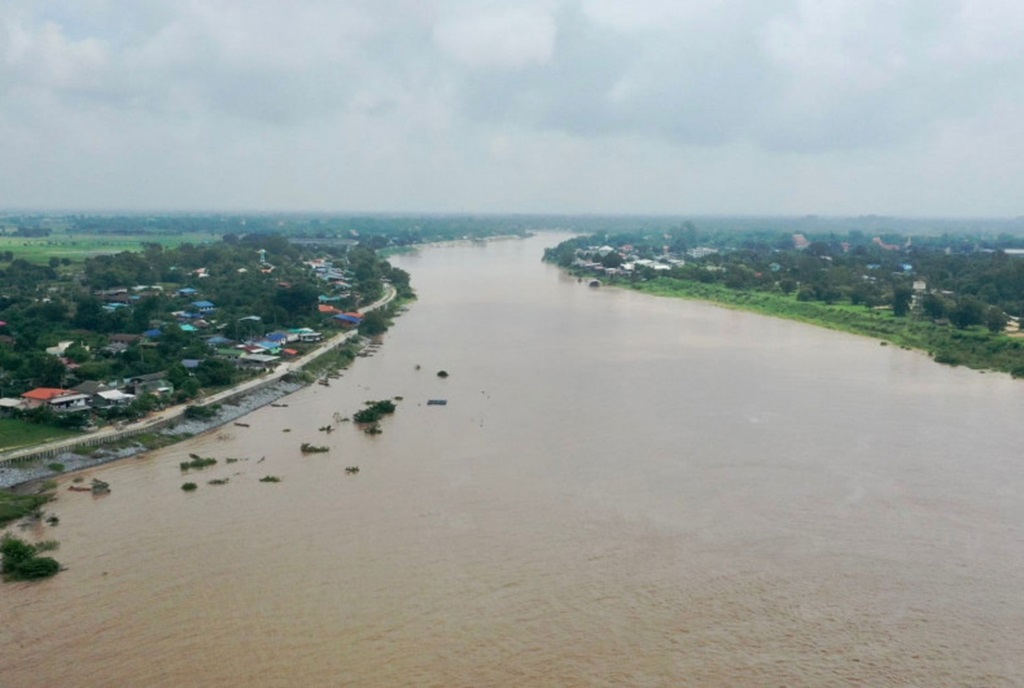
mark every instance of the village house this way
{"type": "Point", "coordinates": [60, 400]}
{"type": "Point", "coordinates": [153, 383]}
{"type": "Point", "coordinates": [111, 397]}
{"type": "Point", "coordinates": [9, 405]}
{"type": "Point", "coordinates": [259, 361]}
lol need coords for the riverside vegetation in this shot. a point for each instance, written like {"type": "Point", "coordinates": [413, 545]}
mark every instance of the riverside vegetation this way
{"type": "Point", "coordinates": [21, 560]}
{"type": "Point", "coordinates": [958, 297]}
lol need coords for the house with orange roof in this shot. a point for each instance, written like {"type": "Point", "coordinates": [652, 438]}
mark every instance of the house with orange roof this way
{"type": "Point", "coordinates": [57, 399]}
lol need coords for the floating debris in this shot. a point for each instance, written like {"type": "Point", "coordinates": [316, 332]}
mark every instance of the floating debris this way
{"type": "Point", "coordinates": [270, 479]}
{"type": "Point", "coordinates": [307, 448]}
{"type": "Point", "coordinates": [351, 469]}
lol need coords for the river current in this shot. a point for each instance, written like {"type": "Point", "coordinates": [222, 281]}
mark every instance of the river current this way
{"type": "Point", "coordinates": [621, 490]}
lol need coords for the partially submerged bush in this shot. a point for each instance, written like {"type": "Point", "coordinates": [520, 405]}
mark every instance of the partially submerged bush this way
{"type": "Point", "coordinates": [197, 462]}
{"type": "Point", "coordinates": [374, 411]}
{"type": "Point", "coordinates": [21, 563]}
{"type": "Point", "coordinates": [188, 487]}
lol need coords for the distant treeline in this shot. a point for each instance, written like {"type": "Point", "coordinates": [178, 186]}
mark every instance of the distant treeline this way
{"type": "Point", "coordinates": [431, 227]}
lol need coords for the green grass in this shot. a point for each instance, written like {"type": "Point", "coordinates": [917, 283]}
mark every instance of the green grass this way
{"type": "Point", "coordinates": [15, 434]}
{"type": "Point", "coordinates": [14, 506]}
{"type": "Point", "coordinates": [77, 247]}
{"type": "Point", "coordinates": [975, 347]}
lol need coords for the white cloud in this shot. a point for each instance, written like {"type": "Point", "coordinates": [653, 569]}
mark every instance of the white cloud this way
{"type": "Point", "coordinates": [503, 38]}
{"type": "Point", "coordinates": [853, 106]}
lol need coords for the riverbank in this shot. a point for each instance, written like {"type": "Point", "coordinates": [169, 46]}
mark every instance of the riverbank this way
{"type": "Point", "coordinates": [975, 348]}
{"type": "Point", "coordinates": [170, 425]}
{"type": "Point", "coordinates": [12, 476]}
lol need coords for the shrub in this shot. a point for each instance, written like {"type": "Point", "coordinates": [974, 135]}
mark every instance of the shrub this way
{"type": "Point", "coordinates": [197, 462]}
{"type": "Point", "coordinates": [201, 412]}
{"type": "Point", "coordinates": [188, 487]}
{"type": "Point", "coordinates": [35, 568]}
{"type": "Point", "coordinates": [21, 563]}
{"type": "Point", "coordinates": [56, 467]}
{"type": "Point", "coordinates": [374, 411]}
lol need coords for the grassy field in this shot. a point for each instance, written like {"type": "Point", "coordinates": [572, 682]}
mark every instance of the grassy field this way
{"type": "Point", "coordinates": [18, 433]}
{"type": "Point", "coordinates": [77, 247]}
{"type": "Point", "coordinates": [13, 506]}
{"type": "Point", "coordinates": [974, 347]}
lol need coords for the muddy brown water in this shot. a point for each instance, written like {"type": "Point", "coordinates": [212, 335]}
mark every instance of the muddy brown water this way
{"type": "Point", "coordinates": [621, 491]}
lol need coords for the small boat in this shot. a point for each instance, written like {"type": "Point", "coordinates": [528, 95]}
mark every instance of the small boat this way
{"type": "Point", "coordinates": [279, 405]}
{"type": "Point", "coordinates": [242, 425]}
{"type": "Point", "coordinates": [437, 402]}
{"type": "Point", "coordinates": [79, 488]}
{"type": "Point", "coordinates": [323, 381]}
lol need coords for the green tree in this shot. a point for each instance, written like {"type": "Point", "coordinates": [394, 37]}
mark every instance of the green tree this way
{"type": "Point", "coordinates": [995, 319]}
{"type": "Point", "coordinates": [970, 311]}
{"type": "Point", "coordinates": [374, 323]}
{"type": "Point", "coordinates": [901, 298]}
{"type": "Point", "coordinates": [934, 306]}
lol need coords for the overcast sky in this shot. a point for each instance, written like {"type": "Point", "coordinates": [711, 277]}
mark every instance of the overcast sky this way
{"type": "Point", "coordinates": [904, 107]}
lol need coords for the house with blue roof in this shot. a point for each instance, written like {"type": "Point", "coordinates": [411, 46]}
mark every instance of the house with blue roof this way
{"type": "Point", "coordinates": [203, 306]}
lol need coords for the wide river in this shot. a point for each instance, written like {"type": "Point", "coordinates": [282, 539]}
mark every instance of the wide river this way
{"type": "Point", "coordinates": [622, 490]}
